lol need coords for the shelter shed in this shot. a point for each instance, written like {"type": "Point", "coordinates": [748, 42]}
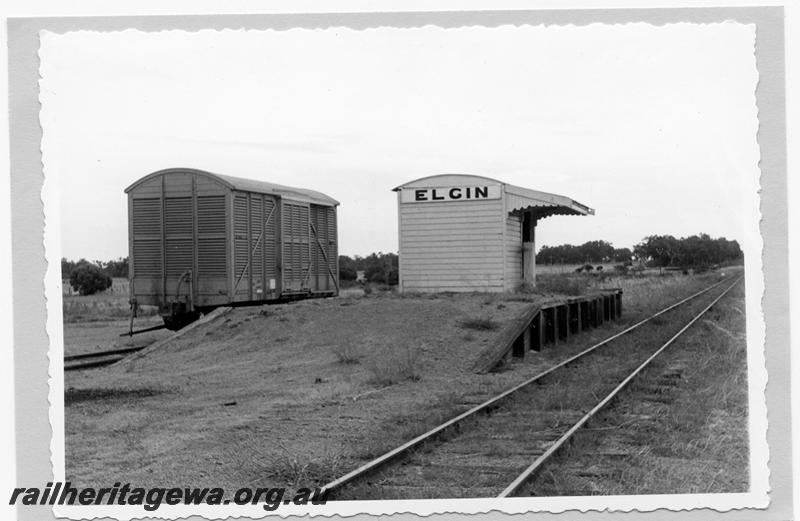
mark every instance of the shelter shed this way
{"type": "Point", "coordinates": [471, 233]}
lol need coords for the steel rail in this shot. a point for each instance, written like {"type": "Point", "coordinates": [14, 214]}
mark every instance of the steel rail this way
{"type": "Point", "coordinates": [93, 363]}
{"type": "Point", "coordinates": [98, 354]}
{"type": "Point", "coordinates": [381, 460]}
{"type": "Point", "coordinates": [541, 460]}
{"type": "Point", "coordinates": [97, 359]}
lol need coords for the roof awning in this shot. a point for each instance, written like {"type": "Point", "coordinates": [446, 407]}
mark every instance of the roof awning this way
{"type": "Point", "coordinates": [542, 204]}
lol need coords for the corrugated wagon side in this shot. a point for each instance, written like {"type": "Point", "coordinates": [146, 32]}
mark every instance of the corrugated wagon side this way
{"type": "Point", "coordinates": [199, 240]}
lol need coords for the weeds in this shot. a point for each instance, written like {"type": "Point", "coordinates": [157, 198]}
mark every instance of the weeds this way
{"type": "Point", "coordinates": [679, 435]}
{"type": "Point", "coordinates": [408, 424]}
{"type": "Point", "coordinates": [479, 324]}
{"type": "Point", "coordinates": [390, 367]}
{"type": "Point", "coordinates": [347, 353]}
{"type": "Point", "coordinates": [297, 468]}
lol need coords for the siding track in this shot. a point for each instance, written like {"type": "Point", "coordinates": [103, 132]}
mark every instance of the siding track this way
{"type": "Point", "coordinates": [477, 455]}
{"type": "Point", "coordinates": [97, 359]}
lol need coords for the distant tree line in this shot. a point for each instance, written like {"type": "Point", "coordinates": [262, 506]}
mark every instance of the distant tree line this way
{"type": "Point", "coordinates": [695, 251]}
{"type": "Point", "coordinates": [701, 250]}
{"type": "Point", "coordinates": [592, 251]}
{"type": "Point", "coordinates": [377, 267]}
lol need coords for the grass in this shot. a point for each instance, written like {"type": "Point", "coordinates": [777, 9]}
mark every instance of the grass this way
{"type": "Point", "coordinates": [300, 469]}
{"type": "Point", "coordinates": [408, 423]}
{"type": "Point", "coordinates": [536, 414]}
{"type": "Point", "coordinates": [680, 428]}
{"type": "Point", "coordinates": [347, 353]}
{"type": "Point", "coordinates": [111, 304]}
{"type": "Point", "coordinates": [392, 366]}
{"type": "Point", "coordinates": [322, 409]}
{"type": "Point", "coordinates": [563, 284]}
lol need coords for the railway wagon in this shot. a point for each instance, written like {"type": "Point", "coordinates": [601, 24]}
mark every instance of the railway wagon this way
{"type": "Point", "coordinates": [199, 240]}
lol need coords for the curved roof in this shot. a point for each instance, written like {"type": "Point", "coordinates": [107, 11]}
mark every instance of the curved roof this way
{"type": "Point", "coordinates": [543, 204]}
{"type": "Point", "coordinates": [426, 181]}
{"type": "Point", "coordinates": [247, 185]}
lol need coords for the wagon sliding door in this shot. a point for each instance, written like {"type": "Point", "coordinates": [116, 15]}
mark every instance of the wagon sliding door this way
{"type": "Point", "coordinates": [324, 276]}
{"type": "Point", "coordinates": [211, 278]}
{"type": "Point", "coordinates": [254, 247]}
{"type": "Point", "coordinates": [296, 246]}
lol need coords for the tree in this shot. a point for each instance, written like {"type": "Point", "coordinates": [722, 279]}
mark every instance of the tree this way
{"type": "Point", "coordinates": [622, 255]}
{"type": "Point", "coordinates": [88, 279]}
{"type": "Point", "coordinates": [696, 251]}
{"type": "Point", "coordinates": [658, 250]}
{"type": "Point", "coordinates": [116, 268]}
{"type": "Point", "coordinates": [377, 267]}
{"type": "Point", "coordinates": [592, 251]}
{"type": "Point", "coordinates": [66, 268]}
{"type": "Point", "coordinates": [347, 268]}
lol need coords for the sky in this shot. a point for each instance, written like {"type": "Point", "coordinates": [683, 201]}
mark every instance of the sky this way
{"type": "Point", "coordinates": [653, 127]}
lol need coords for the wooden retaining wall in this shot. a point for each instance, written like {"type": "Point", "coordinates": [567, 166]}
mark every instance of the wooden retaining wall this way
{"type": "Point", "coordinates": [549, 323]}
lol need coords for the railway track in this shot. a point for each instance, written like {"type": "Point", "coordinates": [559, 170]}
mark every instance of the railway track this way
{"type": "Point", "coordinates": [110, 356]}
{"type": "Point", "coordinates": [477, 454]}
{"type": "Point", "coordinates": [97, 359]}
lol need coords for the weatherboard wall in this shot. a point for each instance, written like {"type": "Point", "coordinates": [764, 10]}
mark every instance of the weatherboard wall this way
{"type": "Point", "coordinates": [461, 232]}
{"type": "Point", "coordinates": [451, 245]}
{"type": "Point", "coordinates": [457, 248]}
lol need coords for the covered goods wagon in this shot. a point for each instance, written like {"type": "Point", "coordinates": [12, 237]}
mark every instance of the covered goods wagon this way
{"type": "Point", "coordinates": [199, 240]}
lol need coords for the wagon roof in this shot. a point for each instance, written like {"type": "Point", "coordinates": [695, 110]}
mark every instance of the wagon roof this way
{"type": "Point", "coordinates": [249, 185]}
{"type": "Point", "coordinates": [517, 198]}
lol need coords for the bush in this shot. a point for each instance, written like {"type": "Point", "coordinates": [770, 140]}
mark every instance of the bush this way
{"type": "Point", "coordinates": [88, 279]}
